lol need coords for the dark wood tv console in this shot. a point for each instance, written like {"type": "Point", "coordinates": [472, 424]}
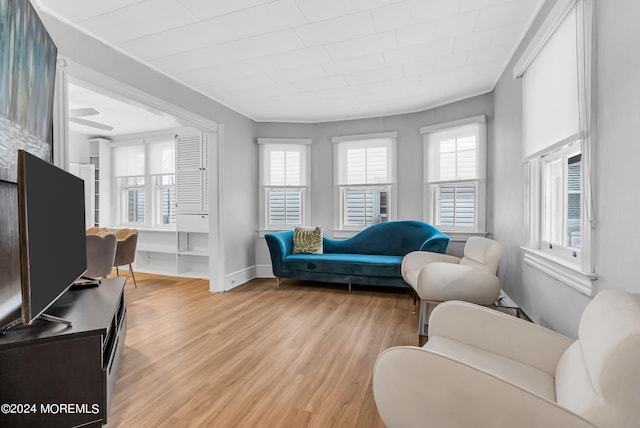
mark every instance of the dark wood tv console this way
{"type": "Point", "coordinates": [57, 376]}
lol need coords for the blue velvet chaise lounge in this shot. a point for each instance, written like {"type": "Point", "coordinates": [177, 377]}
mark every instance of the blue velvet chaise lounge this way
{"type": "Point", "coordinates": [371, 257]}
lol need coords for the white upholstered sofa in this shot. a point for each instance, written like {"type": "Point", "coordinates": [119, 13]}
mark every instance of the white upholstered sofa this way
{"type": "Point", "coordinates": [483, 368]}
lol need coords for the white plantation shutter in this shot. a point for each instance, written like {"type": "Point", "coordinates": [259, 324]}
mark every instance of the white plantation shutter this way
{"type": "Point", "coordinates": [284, 168]}
{"type": "Point", "coordinates": [284, 164]}
{"type": "Point", "coordinates": [453, 157]}
{"type": "Point", "coordinates": [453, 154]}
{"type": "Point", "coordinates": [206, 140]}
{"type": "Point", "coordinates": [356, 166]}
{"type": "Point", "coordinates": [285, 207]}
{"type": "Point", "coordinates": [365, 162]}
{"type": "Point", "coordinates": [365, 206]}
{"type": "Point", "coordinates": [284, 178]}
{"type": "Point", "coordinates": [365, 174]}
{"type": "Point", "coordinates": [189, 176]}
{"type": "Point", "coordinates": [457, 204]}
{"type": "Point", "coordinates": [454, 173]}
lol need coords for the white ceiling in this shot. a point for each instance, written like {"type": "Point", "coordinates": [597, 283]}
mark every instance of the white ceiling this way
{"type": "Point", "coordinates": [315, 60]}
{"type": "Point", "coordinates": [125, 117]}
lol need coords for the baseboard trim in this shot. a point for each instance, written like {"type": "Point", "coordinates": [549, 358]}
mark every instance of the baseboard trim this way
{"type": "Point", "coordinates": [264, 271]}
{"type": "Point", "coordinates": [239, 277]}
{"type": "Point", "coordinates": [242, 276]}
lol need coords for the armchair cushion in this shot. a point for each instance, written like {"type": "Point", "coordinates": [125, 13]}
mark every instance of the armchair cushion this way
{"type": "Point", "coordinates": [482, 253]}
{"type": "Point", "coordinates": [126, 249]}
{"type": "Point", "coordinates": [499, 333]}
{"type": "Point", "coordinates": [532, 379]}
{"type": "Point", "coordinates": [101, 252]}
{"type": "Point", "coordinates": [446, 281]}
{"type": "Point", "coordinates": [415, 387]}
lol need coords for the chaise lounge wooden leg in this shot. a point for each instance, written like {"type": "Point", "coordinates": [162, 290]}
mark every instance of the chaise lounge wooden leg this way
{"type": "Point", "coordinates": [349, 287]}
{"type": "Point", "coordinates": [277, 282]}
{"type": "Point", "coordinates": [117, 272]}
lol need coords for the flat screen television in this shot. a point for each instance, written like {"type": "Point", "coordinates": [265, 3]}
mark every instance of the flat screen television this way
{"type": "Point", "coordinates": [52, 233]}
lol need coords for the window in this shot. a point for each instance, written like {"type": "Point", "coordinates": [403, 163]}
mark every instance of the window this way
{"type": "Point", "coordinates": [162, 165]}
{"type": "Point", "coordinates": [561, 202]}
{"type": "Point", "coordinates": [454, 175]}
{"type": "Point", "coordinates": [364, 179]}
{"type": "Point", "coordinates": [557, 97]}
{"type": "Point", "coordinates": [145, 172]}
{"type": "Point", "coordinates": [129, 164]}
{"type": "Point", "coordinates": [132, 200]}
{"type": "Point", "coordinates": [165, 197]}
{"type": "Point", "coordinates": [284, 182]}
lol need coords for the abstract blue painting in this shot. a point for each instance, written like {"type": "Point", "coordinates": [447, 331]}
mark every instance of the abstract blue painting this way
{"type": "Point", "coordinates": [27, 80]}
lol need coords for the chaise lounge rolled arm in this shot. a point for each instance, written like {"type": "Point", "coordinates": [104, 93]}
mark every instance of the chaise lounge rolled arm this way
{"type": "Point", "coordinates": [280, 246]}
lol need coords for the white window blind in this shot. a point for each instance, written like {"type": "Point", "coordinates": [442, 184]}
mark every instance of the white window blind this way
{"type": "Point", "coordinates": [453, 154]}
{"type": "Point", "coordinates": [162, 157]}
{"type": "Point", "coordinates": [550, 92]}
{"type": "Point", "coordinates": [129, 160]}
{"type": "Point", "coordinates": [366, 162]}
{"type": "Point", "coordinates": [284, 168]}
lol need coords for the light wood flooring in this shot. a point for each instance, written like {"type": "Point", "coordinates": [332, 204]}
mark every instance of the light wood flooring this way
{"type": "Point", "coordinates": [255, 356]}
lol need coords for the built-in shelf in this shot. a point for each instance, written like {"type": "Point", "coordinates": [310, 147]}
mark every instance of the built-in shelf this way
{"type": "Point", "coordinates": [173, 252]}
{"type": "Point", "coordinates": [201, 253]}
{"type": "Point", "coordinates": [156, 248]}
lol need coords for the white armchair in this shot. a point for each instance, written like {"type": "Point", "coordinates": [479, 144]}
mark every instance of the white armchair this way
{"type": "Point", "coordinates": [484, 368]}
{"type": "Point", "coordinates": [440, 277]}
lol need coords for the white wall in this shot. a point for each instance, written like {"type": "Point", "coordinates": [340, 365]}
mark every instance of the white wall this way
{"type": "Point", "coordinates": [78, 148]}
{"type": "Point", "coordinates": [617, 238]}
{"type": "Point", "coordinates": [240, 189]}
{"type": "Point", "coordinates": [409, 157]}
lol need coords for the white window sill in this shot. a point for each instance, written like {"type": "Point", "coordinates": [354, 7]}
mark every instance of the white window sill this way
{"type": "Point", "coordinates": [262, 232]}
{"type": "Point", "coordinates": [562, 270]}
{"type": "Point", "coordinates": [456, 236]}
{"type": "Point", "coordinates": [461, 236]}
{"type": "Point", "coordinates": [344, 233]}
{"type": "Point", "coordinates": [142, 228]}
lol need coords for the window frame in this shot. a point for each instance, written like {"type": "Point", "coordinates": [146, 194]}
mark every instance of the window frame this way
{"type": "Point", "coordinates": [431, 186]}
{"type": "Point", "coordinates": [157, 209]}
{"type": "Point", "coordinates": [124, 190]}
{"type": "Point", "coordinates": [303, 146]}
{"type": "Point", "coordinates": [340, 146]}
{"type": "Point", "coordinates": [150, 187]}
{"type": "Point", "coordinates": [579, 273]}
{"type": "Point", "coordinates": [565, 251]}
